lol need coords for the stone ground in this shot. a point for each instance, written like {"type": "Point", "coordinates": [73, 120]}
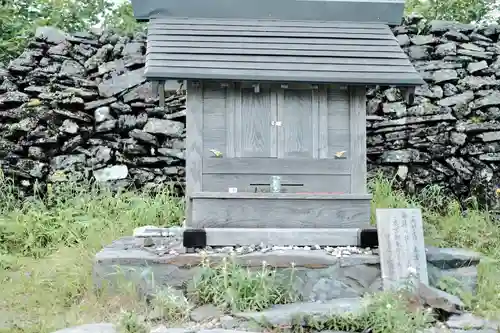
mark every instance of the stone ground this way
{"type": "Point", "coordinates": [332, 282]}
{"type": "Point", "coordinates": [335, 281]}
{"type": "Point", "coordinates": [320, 273]}
{"type": "Point", "coordinates": [208, 319]}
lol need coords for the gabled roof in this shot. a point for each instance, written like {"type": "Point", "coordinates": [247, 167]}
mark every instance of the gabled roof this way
{"type": "Point", "coordinates": [382, 11]}
{"type": "Point", "coordinates": [271, 50]}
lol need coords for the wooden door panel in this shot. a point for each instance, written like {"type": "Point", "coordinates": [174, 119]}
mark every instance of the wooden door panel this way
{"type": "Point", "coordinates": [297, 109]}
{"type": "Point", "coordinates": [255, 136]}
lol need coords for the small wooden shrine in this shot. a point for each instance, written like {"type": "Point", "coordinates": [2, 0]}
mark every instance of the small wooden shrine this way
{"type": "Point", "coordinates": [276, 102]}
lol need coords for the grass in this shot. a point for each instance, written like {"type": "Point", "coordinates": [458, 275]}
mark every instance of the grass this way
{"type": "Point", "coordinates": [235, 288]}
{"type": "Point", "coordinates": [47, 246]}
{"type": "Point", "coordinates": [383, 313]}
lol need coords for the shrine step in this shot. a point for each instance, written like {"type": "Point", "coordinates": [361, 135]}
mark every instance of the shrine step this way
{"type": "Point", "coordinates": [194, 238]}
{"type": "Point", "coordinates": [278, 210]}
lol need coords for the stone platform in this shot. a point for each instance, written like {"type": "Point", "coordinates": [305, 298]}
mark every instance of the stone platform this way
{"type": "Point", "coordinates": [322, 274]}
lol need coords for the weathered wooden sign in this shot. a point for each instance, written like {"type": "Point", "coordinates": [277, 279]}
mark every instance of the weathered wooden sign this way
{"type": "Point", "coordinates": [401, 247]}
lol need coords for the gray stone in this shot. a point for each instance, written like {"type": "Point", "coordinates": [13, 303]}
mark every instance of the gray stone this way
{"type": "Point", "coordinates": [62, 49]}
{"type": "Point", "coordinates": [121, 83]}
{"type": "Point", "coordinates": [90, 328]}
{"type": "Point", "coordinates": [101, 155]}
{"type": "Point", "coordinates": [102, 113]}
{"type": "Point", "coordinates": [472, 47]}
{"type": "Point", "coordinates": [144, 137]}
{"type": "Point", "coordinates": [50, 34]}
{"type": "Point", "coordinates": [458, 138]}
{"type": "Point", "coordinates": [164, 329]}
{"type": "Point", "coordinates": [63, 162]}
{"type": "Point", "coordinates": [117, 65]}
{"type": "Point", "coordinates": [75, 115]}
{"type": "Point", "coordinates": [164, 127]}
{"type": "Point", "coordinates": [228, 322]}
{"type": "Point", "coordinates": [114, 172]}
{"type": "Point", "coordinates": [99, 103]}
{"type": "Point", "coordinates": [445, 75]}
{"type": "Point", "coordinates": [490, 136]}
{"type": "Point", "coordinates": [106, 126]}
{"type": "Point", "coordinates": [121, 107]}
{"type": "Point", "coordinates": [218, 330]}
{"type": "Point", "coordinates": [404, 156]}
{"type": "Point", "coordinates": [397, 109]}
{"type": "Point", "coordinates": [462, 279]}
{"type": "Point", "coordinates": [72, 68]}
{"type": "Point", "coordinates": [465, 321]}
{"type": "Point", "coordinates": [69, 127]}
{"type": "Point", "coordinates": [446, 49]}
{"type": "Point", "coordinates": [447, 26]}
{"type": "Point", "coordinates": [456, 36]}
{"type": "Point", "coordinates": [13, 98]}
{"type": "Point", "coordinates": [423, 39]}
{"type": "Point", "coordinates": [205, 312]}
{"type": "Point", "coordinates": [424, 109]}
{"type": "Point", "coordinates": [101, 56]}
{"type": "Point", "coordinates": [428, 91]}
{"type": "Point", "coordinates": [419, 52]}
{"type": "Point", "coordinates": [474, 67]}
{"type": "Point", "coordinates": [177, 153]}
{"type": "Point", "coordinates": [127, 122]}
{"type": "Point", "coordinates": [477, 82]}
{"type": "Point", "coordinates": [286, 314]}
{"type": "Point", "coordinates": [143, 92]}
{"type": "Point", "coordinates": [492, 99]}
{"type": "Point", "coordinates": [464, 98]}
{"type": "Point", "coordinates": [403, 40]}
{"type": "Point", "coordinates": [474, 53]}
{"type": "Point", "coordinates": [31, 169]}
{"type": "Point", "coordinates": [438, 299]}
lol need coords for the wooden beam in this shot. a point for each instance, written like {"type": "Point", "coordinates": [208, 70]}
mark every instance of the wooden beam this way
{"type": "Point", "coordinates": [357, 151]}
{"type": "Point", "coordinates": [279, 210]}
{"type": "Point", "coordinates": [161, 91]}
{"type": "Point", "coordinates": [274, 166]}
{"type": "Point", "coordinates": [194, 143]}
{"type": "Point", "coordinates": [282, 237]}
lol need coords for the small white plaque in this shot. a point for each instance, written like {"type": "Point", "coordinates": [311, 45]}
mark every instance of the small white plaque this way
{"type": "Point", "coordinates": [233, 190]}
{"type": "Point", "coordinates": [401, 246]}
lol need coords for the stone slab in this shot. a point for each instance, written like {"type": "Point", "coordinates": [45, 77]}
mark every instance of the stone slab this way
{"type": "Point", "coordinates": [451, 257]}
{"type": "Point", "coordinates": [288, 313]}
{"type": "Point", "coordinates": [401, 246]}
{"type": "Point", "coordinates": [279, 258]}
{"type": "Point", "coordinates": [90, 328]}
{"type": "Point", "coordinates": [320, 274]}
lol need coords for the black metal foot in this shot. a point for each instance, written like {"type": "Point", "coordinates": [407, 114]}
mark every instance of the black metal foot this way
{"type": "Point", "coordinates": [368, 238]}
{"type": "Point", "coordinates": [195, 239]}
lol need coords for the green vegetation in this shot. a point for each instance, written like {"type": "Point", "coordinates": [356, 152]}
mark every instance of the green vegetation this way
{"type": "Point", "coordinates": [47, 246]}
{"type": "Point", "coordinates": [465, 11]}
{"type": "Point", "coordinates": [233, 288]}
{"type": "Point", "coordinates": [19, 19]}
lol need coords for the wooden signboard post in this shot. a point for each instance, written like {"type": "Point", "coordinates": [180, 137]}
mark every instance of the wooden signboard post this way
{"type": "Point", "coordinates": [401, 247]}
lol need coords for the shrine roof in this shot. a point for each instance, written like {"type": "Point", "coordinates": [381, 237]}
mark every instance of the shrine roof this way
{"type": "Point", "coordinates": [276, 50]}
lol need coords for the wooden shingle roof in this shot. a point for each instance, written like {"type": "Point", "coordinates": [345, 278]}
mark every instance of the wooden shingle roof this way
{"type": "Point", "coordinates": [275, 50]}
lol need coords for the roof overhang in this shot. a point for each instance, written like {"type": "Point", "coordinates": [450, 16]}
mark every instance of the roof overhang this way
{"type": "Point", "coordinates": [276, 51]}
{"type": "Point", "coordinates": [382, 11]}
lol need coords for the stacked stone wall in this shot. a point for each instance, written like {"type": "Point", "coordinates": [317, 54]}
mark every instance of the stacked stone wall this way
{"type": "Point", "coordinates": [77, 106]}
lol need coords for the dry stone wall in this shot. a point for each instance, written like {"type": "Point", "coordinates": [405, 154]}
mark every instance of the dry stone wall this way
{"type": "Point", "coordinates": [450, 133]}
{"type": "Point", "coordinates": [77, 106]}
